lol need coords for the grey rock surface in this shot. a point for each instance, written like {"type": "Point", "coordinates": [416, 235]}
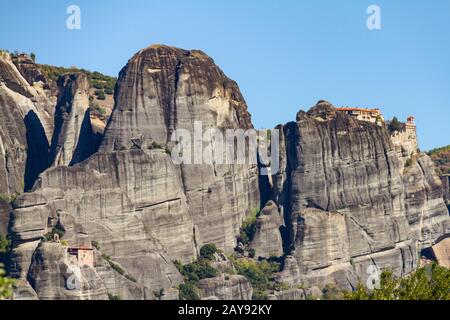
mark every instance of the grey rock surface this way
{"type": "Point", "coordinates": [347, 202]}
{"type": "Point", "coordinates": [267, 240]}
{"type": "Point", "coordinates": [445, 179]}
{"type": "Point", "coordinates": [126, 212]}
{"type": "Point", "coordinates": [73, 139]}
{"type": "Point", "coordinates": [163, 89]}
{"type": "Point", "coordinates": [226, 287]}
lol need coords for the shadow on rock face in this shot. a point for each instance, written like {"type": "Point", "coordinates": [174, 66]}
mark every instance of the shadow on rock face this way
{"type": "Point", "coordinates": [38, 149]}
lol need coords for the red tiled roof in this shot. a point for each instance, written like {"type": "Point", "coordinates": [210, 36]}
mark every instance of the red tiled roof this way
{"type": "Point", "coordinates": [358, 109]}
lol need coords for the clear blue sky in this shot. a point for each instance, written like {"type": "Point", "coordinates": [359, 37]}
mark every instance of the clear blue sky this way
{"type": "Point", "coordinates": [285, 55]}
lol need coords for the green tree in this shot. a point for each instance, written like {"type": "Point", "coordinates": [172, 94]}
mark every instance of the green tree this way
{"type": "Point", "coordinates": [208, 251]}
{"type": "Point", "coordinates": [5, 247]}
{"type": "Point", "coordinates": [395, 125]}
{"type": "Point", "coordinates": [188, 291]}
{"type": "Point", "coordinates": [6, 286]}
{"type": "Point", "coordinates": [431, 282]}
{"type": "Point", "coordinates": [33, 56]}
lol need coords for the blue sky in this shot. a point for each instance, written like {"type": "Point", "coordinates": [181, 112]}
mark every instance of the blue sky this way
{"type": "Point", "coordinates": [285, 55]}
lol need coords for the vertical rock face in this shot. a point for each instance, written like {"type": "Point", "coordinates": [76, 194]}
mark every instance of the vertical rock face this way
{"type": "Point", "coordinates": [267, 240]}
{"type": "Point", "coordinates": [73, 139]}
{"type": "Point", "coordinates": [446, 188]}
{"type": "Point", "coordinates": [425, 209]}
{"type": "Point", "coordinates": [143, 210]}
{"type": "Point", "coordinates": [23, 137]}
{"type": "Point", "coordinates": [163, 89]}
{"type": "Point", "coordinates": [344, 198]}
{"type": "Point", "coordinates": [29, 70]}
{"type": "Point", "coordinates": [346, 201]}
{"type": "Point", "coordinates": [13, 145]}
{"type": "Point", "coordinates": [129, 201]}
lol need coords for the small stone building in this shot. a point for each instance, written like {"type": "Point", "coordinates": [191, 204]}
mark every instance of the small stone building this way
{"type": "Point", "coordinates": [81, 256]}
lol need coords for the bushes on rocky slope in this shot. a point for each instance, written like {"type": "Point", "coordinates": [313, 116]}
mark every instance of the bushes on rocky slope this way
{"type": "Point", "coordinates": [195, 271]}
{"type": "Point", "coordinates": [98, 81]}
{"type": "Point", "coordinates": [6, 286]}
{"type": "Point", "coordinates": [431, 282]}
{"type": "Point", "coordinates": [248, 228]}
{"type": "Point", "coordinates": [259, 273]}
{"type": "Point", "coordinates": [441, 158]}
{"type": "Point", "coordinates": [208, 251]}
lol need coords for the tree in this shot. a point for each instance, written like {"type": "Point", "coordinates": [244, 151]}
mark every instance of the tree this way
{"type": "Point", "coordinates": [395, 125]}
{"type": "Point", "coordinates": [208, 251]}
{"type": "Point", "coordinates": [431, 282]}
{"type": "Point", "coordinates": [6, 286]}
{"type": "Point", "coordinates": [100, 94]}
{"type": "Point", "coordinates": [5, 246]}
{"type": "Point", "coordinates": [33, 56]}
{"type": "Point", "coordinates": [188, 292]}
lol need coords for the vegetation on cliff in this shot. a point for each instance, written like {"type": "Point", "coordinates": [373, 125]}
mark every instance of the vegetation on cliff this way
{"type": "Point", "coordinates": [431, 282]}
{"type": "Point", "coordinates": [6, 284]}
{"type": "Point", "coordinates": [259, 273]}
{"type": "Point", "coordinates": [441, 157]}
{"type": "Point", "coordinates": [98, 80]}
{"type": "Point", "coordinates": [195, 271]}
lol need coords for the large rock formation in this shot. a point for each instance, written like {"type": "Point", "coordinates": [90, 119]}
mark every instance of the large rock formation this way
{"type": "Point", "coordinates": [446, 188]}
{"type": "Point", "coordinates": [136, 214]}
{"type": "Point", "coordinates": [130, 197]}
{"type": "Point", "coordinates": [73, 139]}
{"type": "Point", "coordinates": [25, 125]}
{"type": "Point", "coordinates": [163, 89]}
{"type": "Point", "coordinates": [345, 197]}
{"type": "Point", "coordinates": [267, 240]}
{"type": "Point", "coordinates": [347, 202]}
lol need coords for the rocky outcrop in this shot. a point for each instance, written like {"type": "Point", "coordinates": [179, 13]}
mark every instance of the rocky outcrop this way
{"type": "Point", "coordinates": [441, 252]}
{"type": "Point", "coordinates": [13, 146]}
{"type": "Point", "coordinates": [347, 203]}
{"type": "Point", "coordinates": [425, 209]}
{"type": "Point", "coordinates": [345, 198]}
{"type": "Point", "coordinates": [53, 277]}
{"type": "Point", "coordinates": [225, 287]}
{"type": "Point", "coordinates": [445, 179]}
{"type": "Point", "coordinates": [130, 197]}
{"type": "Point", "coordinates": [29, 70]}
{"type": "Point", "coordinates": [73, 139]}
{"type": "Point", "coordinates": [163, 89]}
{"type": "Point", "coordinates": [290, 273]}
{"type": "Point", "coordinates": [136, 213]}
{"type": "Point", "coordinates": [29, 113]}
{"type": "Point", "coordinates": [267, 240]}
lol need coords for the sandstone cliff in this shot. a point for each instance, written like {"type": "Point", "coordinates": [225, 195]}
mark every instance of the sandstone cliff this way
{"type": "Point", "coordinates": [162, 89]}
{"type": "Point", "coordinates": [345, 197]}
{"type": "Point", "coordinates": [73, 139]}
{"type": "Point", "coordinates": [143, 210]}
{"type": "Point", "coordinates": [348, 202]}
